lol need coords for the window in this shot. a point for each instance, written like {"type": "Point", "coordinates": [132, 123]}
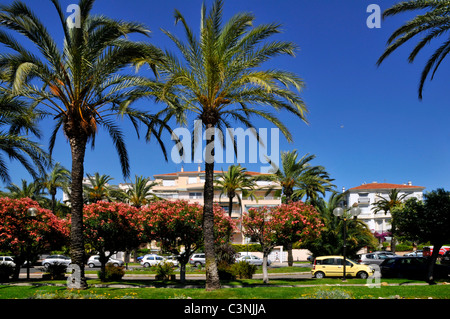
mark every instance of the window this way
{"type": "Point", "coordinates": [328, 261]}
{"type": "Point", "coordinates": [192, 180]}
{"type": "Point", "coordinates": [168, 182]}
{"type": "Point", "coordinates": [195, 195]}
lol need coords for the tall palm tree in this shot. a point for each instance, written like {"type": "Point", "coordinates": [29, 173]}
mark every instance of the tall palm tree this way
{"type": "Point", "coordinates": [16, 119]}
{"type": "Point", "coordinates": [58, 177]}
{"type": "Point", "coordinates": [432, 22]}
{"type": "Point", "coordinates": [81, 86]}
{"type": "Point", "coordinates": [140, 193]}
{"type": "Point", "coordinates": [386, 205]}
{"type": "Point", "coordinates": [297, 177]}
{"type": "Point", "coordinates": [219, 77]}
{"type": "Point", "coordinates": [235, 179]}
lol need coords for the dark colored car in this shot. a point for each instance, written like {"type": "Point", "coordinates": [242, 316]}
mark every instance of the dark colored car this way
{"type": "Point", "coordinates": [411, 268]}
{"type": "Point", "coordinates": [446, 258]}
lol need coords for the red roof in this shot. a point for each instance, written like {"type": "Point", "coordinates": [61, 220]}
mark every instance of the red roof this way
{"type": "Point", "coordinates": [385, 186]}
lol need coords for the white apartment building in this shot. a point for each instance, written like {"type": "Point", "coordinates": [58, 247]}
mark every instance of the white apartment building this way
{"type": "Point", "coordinates": [366, 195]}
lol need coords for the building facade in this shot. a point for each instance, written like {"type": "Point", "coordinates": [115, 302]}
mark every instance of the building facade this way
{"type": "Point", "coordinates": [367, 195]}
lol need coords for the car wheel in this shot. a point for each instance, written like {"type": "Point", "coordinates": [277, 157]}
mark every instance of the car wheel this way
{"type": "Point", "coordinates": [362, 275]}
{"type": "Point", "coordinates": [146, 265]}
{"type": "Point", "coordinates": [46, 265]}
{"type": "Point", "coordinates": [319, 275]}
{"type": "Point", "coordinates": [91, 265]}
{"type": "Point", "coordinates": [197, 264]}
{"type": "Point", "coordinates": [116, 265]}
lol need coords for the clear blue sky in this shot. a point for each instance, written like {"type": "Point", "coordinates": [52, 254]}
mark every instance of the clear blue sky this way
{"type": "Point", "coordinates": [366, 122]}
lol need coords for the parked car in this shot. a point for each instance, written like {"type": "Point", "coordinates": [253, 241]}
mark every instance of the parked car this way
{"type": "Point", "coordinates": [172, 259]}
{"type": "Point", "coordinates": [417, 253]}
{"type": "Point", "coordinates": [197, 259]}
{"type": "Point", "coordinates": [56, 259]}
{"type": "Point", "coordinates": [375, 258]}
{"type": "Point", "coordinates": [252, 259]}
{"type": "Point", "coordinates": [445, 260]}
{"type": "Point", "coordinates": [333, 266]}
{"type": "Point", "coordinates": [94, 261]}
{"type": "Point", "coordinates": [411, 267]}
{"type": "Point", "coordinates": [151, 260]}
{"type": "Point", "coordinates": [8, 260]}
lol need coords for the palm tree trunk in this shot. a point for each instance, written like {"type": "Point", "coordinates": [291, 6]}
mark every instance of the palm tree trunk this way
{"type": "Point", "coordinates": [230, 205]}
{"type": "Point", "coordinates": [289, 245]}
{"type": "Point", "coordinates": [212, 274]}
{"type": "Point", "coordinates": [78, 148]}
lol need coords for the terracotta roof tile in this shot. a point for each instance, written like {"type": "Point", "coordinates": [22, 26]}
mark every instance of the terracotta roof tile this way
{"type": "Point", "coordinates": [384, 186]}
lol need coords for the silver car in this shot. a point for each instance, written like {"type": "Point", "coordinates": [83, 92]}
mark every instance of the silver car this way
{"type": "Point", "coordinates": [56, 259]}
{"type": "Point", "coordinates": [251, 259]}
{"type": "Point", "coordinates": [94, 261]}
{"type": "Point", "coordinates": [375, 258]}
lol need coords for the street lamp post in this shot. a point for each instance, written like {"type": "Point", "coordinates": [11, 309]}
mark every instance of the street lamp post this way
{"type": "Point", "coordinates": [31, 213]}
{"type": "Point", "coordinates": [340, 213]}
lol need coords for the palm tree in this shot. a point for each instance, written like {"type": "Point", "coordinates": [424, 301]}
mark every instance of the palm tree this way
{"type": "Point", "coordinates": [140, 193]}
{"type": "Point", "coordinates": [331, 239]}
{"type": "Point", "coordinates": [433, 22]}
{"type": "Point", "coordinates": [15, 119]}
{"type": "Point", "coordinates": [313, 183]}
{"type": "Point", "coordinates": [97, 188]}
{"type": "Point", "coordinates": [58, 177]}
{"type": "Point", "coordinates": [81, 86]}
{"type": "Point", "coordinates": [218, 77]}
{"type": "Point", "coordinates": [33, 190]}
{"type": "Point", "coordinates": [386, 205]}
{"type": "Point", "coordinates": [298, 178]}
{"type": "Point", "coordinates": [235, 179]}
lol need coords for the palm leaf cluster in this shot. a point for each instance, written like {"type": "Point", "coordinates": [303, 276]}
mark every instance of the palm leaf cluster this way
{"type": "Point", "coordinates": [298, 178]}
{"type": "Point", "coordinates": [431, 23]}
{"type": "Point", "coordinates": [16, 122]}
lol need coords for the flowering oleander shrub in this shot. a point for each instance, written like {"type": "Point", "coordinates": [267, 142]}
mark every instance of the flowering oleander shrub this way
{"type": "Point", "coordinates": [112, 227]}
{"type": "Point", "coordinates": [280, 225]}
{"type": "Point", "coordinates": [177, 224]}
{"type": "Point", "coordinates": [21, 233]}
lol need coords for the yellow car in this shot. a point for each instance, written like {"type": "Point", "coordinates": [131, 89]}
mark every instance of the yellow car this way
{"type": "Point", "coordinates": [332, 266]}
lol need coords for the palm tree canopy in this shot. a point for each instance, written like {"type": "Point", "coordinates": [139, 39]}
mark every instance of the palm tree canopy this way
{"type": "Point", "coordinates": [298, 177]}
{"type": "Point", "coordinates": [81, 85]}
{"type": "Point", "coordinates": [432, 23]}
{"type": "Point", "coordinates": [219, 78]}
{"type": "Point", "coordinates": [140, 193]}
{"type": "Point", "coordinates": [387, 204]}
{"type": "Point", "coordinates": [236, 178]}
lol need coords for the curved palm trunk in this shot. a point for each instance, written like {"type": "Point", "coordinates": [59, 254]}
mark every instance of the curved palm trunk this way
{"type": "Point", "coordinates": [212, 274]}
{"type": "Point", "coordinates": [78, 148]}
{"type": "Point", "coordinates": [289, 245]}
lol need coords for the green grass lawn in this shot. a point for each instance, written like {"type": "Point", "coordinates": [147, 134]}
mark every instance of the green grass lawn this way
{"type": "Point", "coordinates": [236, 289]}
{"type": "Point", "coordinates": [356, 292]}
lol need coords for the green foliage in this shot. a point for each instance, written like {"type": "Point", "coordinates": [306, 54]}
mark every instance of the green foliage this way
{"type": "Point", "coordinates": [250, 247]}
{"type": "Point", "coordinates": [243, 270]}
{"type": "Point", "coordinates": [164, 270]}
{"type": "Point", "coordinates": [112, 273]}
{"type": "Point", "coordinates": [56, 270]}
